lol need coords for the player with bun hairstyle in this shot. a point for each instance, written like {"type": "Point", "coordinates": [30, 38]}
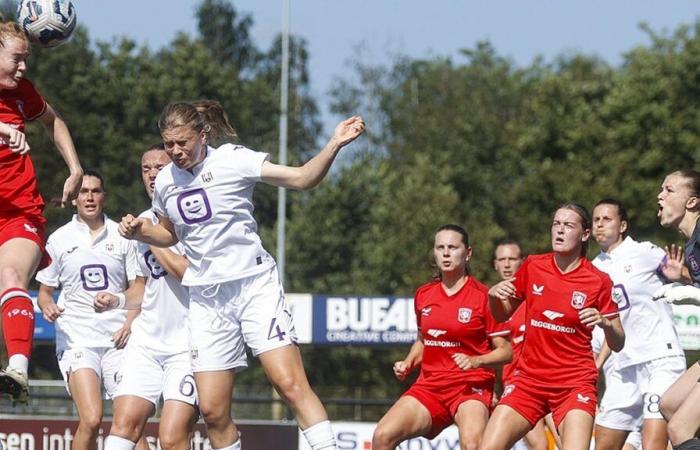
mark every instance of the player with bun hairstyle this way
{"type": "Point", "coordinates": [22, 233]}
{"type": "Point", "coordinates": [204, 201]}
{"type": "Point", "coordinates": [565, 297]}
{"type": "Point", "coordinates": [679, 208]}
{"type": "Point", "coordinates": [459, 343]}
{"type": "Point", "coordinates": [220, 131]}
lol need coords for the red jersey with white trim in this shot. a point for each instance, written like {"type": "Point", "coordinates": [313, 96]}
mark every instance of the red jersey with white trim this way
{"type": "Point", "coordinates": [457, 323]}
{"type": "Point", "coordinates": [516, 326]}
{"type": "Point", "coordinates": [18, 187]}
{"type": "Point", "coordinates": [557, 346]}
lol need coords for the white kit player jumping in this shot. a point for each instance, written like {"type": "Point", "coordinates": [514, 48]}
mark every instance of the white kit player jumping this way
{"type": "Point", "coordinates": [89, 257]}
{"type": "Point", "coordinates": [157, 360]}
{"type": "Point", "coordinates": [652, 358]}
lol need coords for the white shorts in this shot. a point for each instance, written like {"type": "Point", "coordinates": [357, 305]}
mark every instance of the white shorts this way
{"type": "Point", "coordinates": [104, 361]}
{"type": "Point", "coordinates": [147, 375]}
{"type": "Point", "coordinates": [226, 317]}
{"type": "Point", "coordinates": [632, 394]}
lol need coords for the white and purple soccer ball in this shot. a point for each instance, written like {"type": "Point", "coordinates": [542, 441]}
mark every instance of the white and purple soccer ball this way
{"type": "Point", "coordinates": [47, 23]}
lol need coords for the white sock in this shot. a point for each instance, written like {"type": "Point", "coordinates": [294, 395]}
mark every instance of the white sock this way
{"type": "Point", "coordinates": [19, 362]}
{"type": "Point", "coordinates": [113, 442]}
{"type": "Point", "coordinates": [235, 446]}
{"type": "Point", "coordinates": [320, 436]}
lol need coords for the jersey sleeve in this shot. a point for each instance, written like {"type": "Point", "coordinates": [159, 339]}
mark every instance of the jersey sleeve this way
{"type": "Point", "coordinates": [33, 104]}
{"type": "Point", "coordinates": [248, 163]}
{"type": "Point", "coordinates": [493, 328]}
{"type": "Point", "coordinates": [50, 275]}
{"type": "Point", "coordinates": [157, 203]}
{"type": "Point", "coordinates": [520, 281]}
{"type": "Point", "coordinates": [417, 307]}
{"type": "Point", "coordinates": [131, 263]}
{"type": "Point", "coordinates": [606, 306]}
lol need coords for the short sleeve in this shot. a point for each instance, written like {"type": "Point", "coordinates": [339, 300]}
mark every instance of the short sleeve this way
{"type": "Point", "coordinates": [493, 328]}
{"type": "Point", "coordinates": [417, 307]}
{"type": "Point", "coordinates": [157, 203]}
{"type": "Point", "coordinates": [248, 163]}
{"type": "Point", "coordinates": [131, 263]}
{"type": "Point", "coordinates": [50, 275]}
{"type": "Point", "coordinates": [521, 277]}
{"type": "Point", "coordinates": [33, 104]}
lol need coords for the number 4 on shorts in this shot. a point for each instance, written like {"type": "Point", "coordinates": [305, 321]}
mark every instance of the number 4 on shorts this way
{"type": "Point", "coordinates": [273, 326]}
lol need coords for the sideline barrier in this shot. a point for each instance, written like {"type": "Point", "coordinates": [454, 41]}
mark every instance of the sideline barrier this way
{"type": "Point", "coordinates": [49, 433]}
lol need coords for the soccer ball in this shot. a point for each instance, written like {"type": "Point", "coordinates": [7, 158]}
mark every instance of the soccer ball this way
{"type": "Point", "coordinates": [47, 23]}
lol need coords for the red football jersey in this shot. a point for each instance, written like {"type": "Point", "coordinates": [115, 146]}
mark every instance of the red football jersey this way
{"type": "Point", "coordinates": [516, 326]}
{"type": "Point", "coordinates": [18, 187]}
{"type": "Point", "coordinates": [557, 346]}
{"type": "Point", "coordinates": [459, 323]}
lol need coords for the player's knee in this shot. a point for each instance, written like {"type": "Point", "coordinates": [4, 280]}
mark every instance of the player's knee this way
{"type": "Point", "coordinates": [469, 443]}
{"type": "Point", "coordinates": [126, 427]}
{"type": "Point", "coordinates": [9, 278]}
{"type": "Point", "coordinates": [173, 437]}
{"type": "Point", "coordinates": [678, 433]}
{"type": "Point", "coordinates": [215, 414]}
{"type": "Point", "coordinates": [291, 388]}
{"type": "Point", "coordinates": [91, 422]}
{"type": "Point", "coordinates": [383, 438]}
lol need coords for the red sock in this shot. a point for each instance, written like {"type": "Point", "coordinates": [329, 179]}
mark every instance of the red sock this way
{"type": "Point", "coordinates": [17, 321]}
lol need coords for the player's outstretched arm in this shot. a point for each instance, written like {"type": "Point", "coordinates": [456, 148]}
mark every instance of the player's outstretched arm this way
{"type": "Point", "coordinates": [58, 132]}
{"type": "Point", "coordinates": [144, 230]}
{"type": "Point", "coordinates": [310, 174]}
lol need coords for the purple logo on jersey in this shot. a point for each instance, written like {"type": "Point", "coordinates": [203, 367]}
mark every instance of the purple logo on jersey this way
{"type": "Point", "coordinates": [464, 315]}
{"type": "Point", "coordinates": [157, 271]}
{"type": "Point", "coordinates": [694, 266]}
{"type": "Point", "coordinates": [578, 299]}
{"type": "Point", "coordinates": [194, 206]}
{"type": "Point", "coordinates": [94, 277]}
{"type": "Point", "coordinates": [619, 296]}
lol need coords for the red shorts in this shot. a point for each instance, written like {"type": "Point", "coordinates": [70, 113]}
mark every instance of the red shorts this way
{"type": "Point", "coordinates": [534, 401]}
{"type": "Point", "coordinates": [443, 400]}
{"type": "Point", "coordinates": [28, 227]}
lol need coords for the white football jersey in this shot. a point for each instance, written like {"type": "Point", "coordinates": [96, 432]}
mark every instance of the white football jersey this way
{"type": "Point", "coordinates": [162, 325]}
{"type": "Point", "coordinates": [633, 267]}
{"type": "Point", "coordinates": [211, 209]}
{"type": "Point", "coordinates": [82, 267]}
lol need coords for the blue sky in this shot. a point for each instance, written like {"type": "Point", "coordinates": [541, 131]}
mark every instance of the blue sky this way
{"type": "Point", "coordinates": [334, 29]}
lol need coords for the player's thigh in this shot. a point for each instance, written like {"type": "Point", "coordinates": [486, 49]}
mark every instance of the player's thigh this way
{"type": "Point", "coordinates": [177, 420]}
{"type": "Point", "coordinates": [215, 389]}
{"type": "Point", "coordinates": [672, 399]}
{"type": "Point", "coordinates": [471, 419]}
{"type": "Point", "coordinates": [19, 259]}
{"type": "Point", "coordinates": [609, 438]}
{"type": "Point", "coordinates": [505, 427]}
{"type": "Point", "coordinates": [576, 429]}
{"type": "Point", "coordinates": [130, 416]}
{"type": "Point", "coordinates": [536, 439]}
{"type": "Point", "coordinates": [85, 390]}
{"type": "Point", "coordinates": [407, 418]}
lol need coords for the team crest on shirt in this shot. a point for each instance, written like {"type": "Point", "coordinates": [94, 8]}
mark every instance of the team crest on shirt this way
{"type": "Point", "coordinates": [464, 315]}
{"type": "Point", "coordinates": [109, 247]}
{"type": "Point", "coordinates": [694, 266]}
{"type": "Point", "coordinates": [628, 268]}
{"type": "Point", "coordinates": [207, 177]}
{"type": "Point", "coordinates": [508, 389]}
{"type": "Point", "coordinates": [578, 299]}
